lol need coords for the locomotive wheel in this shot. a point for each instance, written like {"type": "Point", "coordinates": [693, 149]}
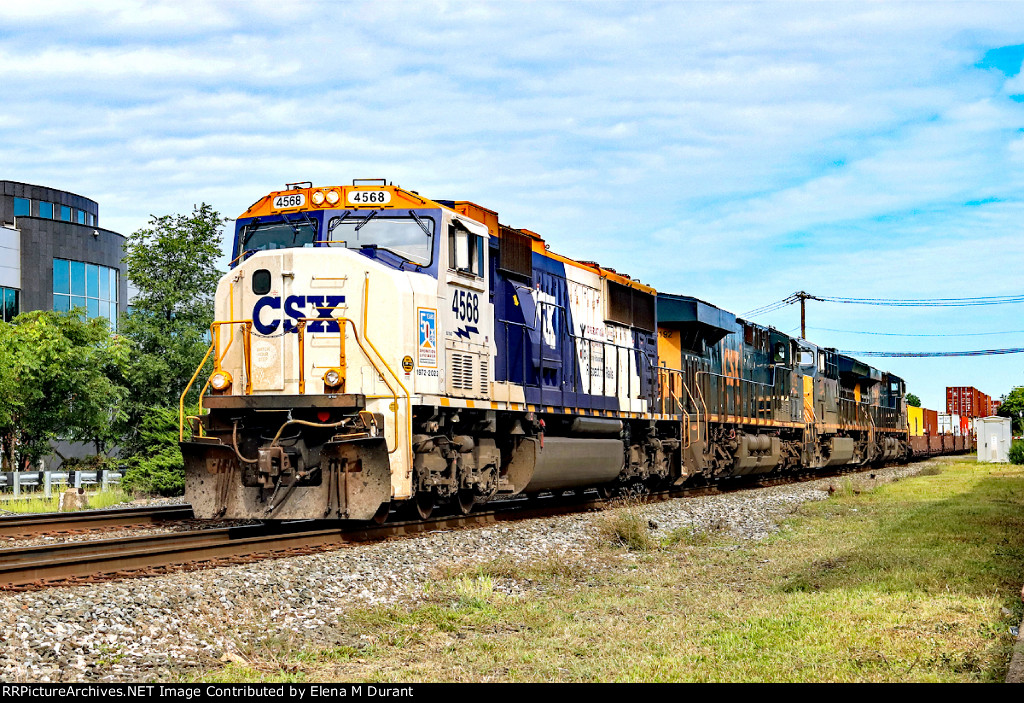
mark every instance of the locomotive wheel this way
{"type": "Point", "coordinates": [420, 506]}
{"type": "Point", "coordinates": [382, 513]}
{"type": "Point", "coordinates": [465, 501]}
{"type": "Point", "coordinates": [606, 491]}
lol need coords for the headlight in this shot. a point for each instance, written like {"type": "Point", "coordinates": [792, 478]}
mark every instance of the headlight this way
{"type": "Point", "coordinates": [317, 197]}
{"type": "Point", "coordinates": [333, 197]}
{"type": "Point", "coordinates": [332, 378]}
{"type": "Point", "coordinates": [220, 380]}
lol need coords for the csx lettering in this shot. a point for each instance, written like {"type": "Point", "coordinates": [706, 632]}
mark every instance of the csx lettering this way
{"type": "Point", "coordinates": [731, 366]}
{"type": "Point", "coordinates": [297, 307]}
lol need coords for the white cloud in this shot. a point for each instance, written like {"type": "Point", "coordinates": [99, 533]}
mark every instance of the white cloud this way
{"type": "Point", "coordinates": [737, 152]}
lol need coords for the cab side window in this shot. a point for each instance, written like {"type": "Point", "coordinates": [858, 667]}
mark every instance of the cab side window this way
{"type": "Point", "coordinates": [465, 250]}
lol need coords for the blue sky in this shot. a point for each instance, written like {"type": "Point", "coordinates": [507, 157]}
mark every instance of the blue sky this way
{"type": "Point", "coordinates": [736, 152]}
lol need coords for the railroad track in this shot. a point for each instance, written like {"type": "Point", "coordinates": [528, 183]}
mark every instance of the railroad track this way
{"type": "Point", "coordinates": [69, 563]}
{"type": "Point", "coordinates": [88, 521]}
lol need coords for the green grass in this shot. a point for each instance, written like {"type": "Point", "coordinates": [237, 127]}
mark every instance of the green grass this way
{"type": "Point", "coordinates": [906, 581]}
{"type": "Point", "coordinates": [104, 499]}
{"type": "Point", "coordinates": [32, 504]}
{"type": "Point", "coordinates": [625, 525]}
{"type": "Point", "coordinates": [36, 502]}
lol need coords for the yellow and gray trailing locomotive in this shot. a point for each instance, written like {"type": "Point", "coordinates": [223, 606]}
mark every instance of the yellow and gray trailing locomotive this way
{"type": "Point", "coordinates": [374, 349]}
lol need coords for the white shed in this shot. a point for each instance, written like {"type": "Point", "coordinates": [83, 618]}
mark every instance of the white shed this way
{"type": "Point", "coordinates": [993, 439]}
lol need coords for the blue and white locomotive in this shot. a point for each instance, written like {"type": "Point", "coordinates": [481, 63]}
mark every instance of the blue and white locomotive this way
{"type": "Point", "coordinates": [374, 349]}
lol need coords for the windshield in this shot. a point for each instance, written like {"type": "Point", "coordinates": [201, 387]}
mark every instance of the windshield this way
{"type": "Point", "coordinates": [281, 234]}
{"type": "Point", "coordinates": [409, 235]}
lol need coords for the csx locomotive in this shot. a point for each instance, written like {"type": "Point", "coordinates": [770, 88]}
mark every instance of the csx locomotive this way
{"type": "Point", "coordinates": [374, 349]}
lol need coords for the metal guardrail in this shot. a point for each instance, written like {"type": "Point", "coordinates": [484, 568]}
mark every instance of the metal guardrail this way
{"type": "Point", "coordinates": [15, 481]}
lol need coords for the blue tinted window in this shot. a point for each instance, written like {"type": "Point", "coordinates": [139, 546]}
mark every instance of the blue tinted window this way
{"type": "Point", "coordinates": [45, 209]}
{"type": "Point", "coordinates": [78, 278]}
{"type": "Point", "coordinates": [89, 286]}
{"type": "Point", "coordinates": [22, 207]}
{"type": "Point", "coordinates": [9, 307]}
{"type": "Point", "coordinates": [65, 213]}
{"type": "Point", "coordinates": [92, 281]}
{"type": "Point", "coordinates": [81, 217]}
{"type": "Point", "coordinates": [61, 276]}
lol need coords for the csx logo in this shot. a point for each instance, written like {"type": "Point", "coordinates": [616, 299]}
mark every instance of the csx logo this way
{"type": "Point", "coordinates": [297, 307]}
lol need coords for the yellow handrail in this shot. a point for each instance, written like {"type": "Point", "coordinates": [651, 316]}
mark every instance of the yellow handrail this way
{"type": "Point", "coordinates": [215, 333]}
{"type": "Point", "coordinates": [200, 425]}
{"type": "Point", "coordinates": [246, 346]}
{"type": "Point", "coordinates": [300, 327]}
{"type": "Point", "coordinates": [181, 401]}
{"type": "Point", "coordinates": [247, 361]}
{"type": "Point", "coordinates": [355, 332]}
{"type": "Point", "coordinates": [217, 361]}
{"type": "Point", "coordinates": [408, 397]}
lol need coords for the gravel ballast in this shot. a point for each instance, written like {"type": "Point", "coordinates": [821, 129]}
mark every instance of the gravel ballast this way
{"type": "Point", "coordinates": [179, 624]}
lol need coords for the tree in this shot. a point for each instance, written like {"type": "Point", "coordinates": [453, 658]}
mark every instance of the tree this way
{"type": "Point", "coordinates": [172, 265]}
{"type": "Point", "coordinates": [11, 402]}
{"type": "Point", "coordinates": [913, 400]}
{"type": "Point", "coordinates": [1013, 408]}
{"type": "Point", "coordinates": [59, 381]}
{"type": "Point", "coordinates": [160, 470]}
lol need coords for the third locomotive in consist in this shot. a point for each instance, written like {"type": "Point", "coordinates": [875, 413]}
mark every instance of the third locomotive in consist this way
{"type": "Point", "coordinates": [375, 349]}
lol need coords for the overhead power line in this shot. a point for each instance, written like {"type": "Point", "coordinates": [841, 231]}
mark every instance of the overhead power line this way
{"type": "Point", "coordinates": [926, 302]}
{"type": "Point", "coordinates": [977, 352]}
{"type": "Point", "coordinates": [771, 307]}
{"type": "Point", "coordinates": [910, 334]}
{"type": "Point", "coordinates": [801, 296]}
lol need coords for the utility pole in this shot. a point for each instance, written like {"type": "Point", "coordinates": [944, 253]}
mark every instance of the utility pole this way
{"type": "Point", "coordinates": [803, 297]}
{"type": "Point", "coordinates": [803, 313]}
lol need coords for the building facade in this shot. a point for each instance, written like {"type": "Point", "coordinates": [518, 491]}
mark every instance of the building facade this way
{"type": "Point", "coordinates": [54, 255]}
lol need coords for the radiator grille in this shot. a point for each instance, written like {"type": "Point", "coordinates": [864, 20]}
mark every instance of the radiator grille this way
{"type": "Point", "coordinates": [462, 371]}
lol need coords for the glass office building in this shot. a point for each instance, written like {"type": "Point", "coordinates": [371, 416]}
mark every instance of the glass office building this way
{"type": "Point", "coordinates": [54, 255]}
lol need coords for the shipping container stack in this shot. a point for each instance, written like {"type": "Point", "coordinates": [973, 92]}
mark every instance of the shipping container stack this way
{"type": "Point", "coordinates": [968, 401]}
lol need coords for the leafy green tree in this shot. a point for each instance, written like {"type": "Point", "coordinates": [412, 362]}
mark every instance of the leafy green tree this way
{"type": "Point", "coordinates": [161, 469]}
{"type": "Point", "coordinates": [1017, 452]}
{"type": "Point", "coordinates": [172, 264]}
{"type": "Point", "coordinates": [913, 400]}
{"type": "Point", "coordinates": [11, 403]}
{"type": "Point", "coordinates": [59, 382]}
{"type": "Point", "coordinates": [1013, 408]}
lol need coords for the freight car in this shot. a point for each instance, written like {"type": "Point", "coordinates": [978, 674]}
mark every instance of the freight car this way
{"type": "Point", "coordinates": [374, 349]}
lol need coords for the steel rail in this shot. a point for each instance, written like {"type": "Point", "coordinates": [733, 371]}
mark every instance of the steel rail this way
{"type": "Point", "coordinates": [56, 523]}
{"type": "Point", "coordinates": [71, 562]}
{"type": "Point", "coordinates": [68, 561]}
